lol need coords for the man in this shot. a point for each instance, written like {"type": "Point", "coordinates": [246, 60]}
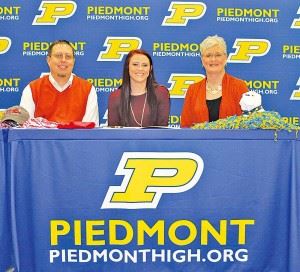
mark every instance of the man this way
{"type": "Point", "coordinates": [61, 96]}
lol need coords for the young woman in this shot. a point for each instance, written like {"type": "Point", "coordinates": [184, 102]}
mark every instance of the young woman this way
{"type": "Point", "coordinates": [140, 101]}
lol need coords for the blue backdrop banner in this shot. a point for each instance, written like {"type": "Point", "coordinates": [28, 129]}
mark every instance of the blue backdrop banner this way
{"type": "Point", "coordinates": [155, 200]}
{"type": "Point", "coordinates": [262, 41]}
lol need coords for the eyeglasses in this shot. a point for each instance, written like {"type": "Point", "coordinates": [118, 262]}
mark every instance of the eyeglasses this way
{"type": "Point", "coordinates": [216, 56]}
{"type": "Point", "coordinates": [61, 56]}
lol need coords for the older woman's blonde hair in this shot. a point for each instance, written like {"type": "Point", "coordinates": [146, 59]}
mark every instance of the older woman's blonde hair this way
{"type": "Point", "coordinates": [211, 41]}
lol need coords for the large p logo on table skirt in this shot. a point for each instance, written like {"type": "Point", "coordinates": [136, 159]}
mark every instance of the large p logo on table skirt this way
{"type": "Point", "coordinates": [148, 175]}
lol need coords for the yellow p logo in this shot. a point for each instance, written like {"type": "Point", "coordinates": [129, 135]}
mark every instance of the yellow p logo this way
{"type": "Point", "coordinates": [182, 12]}
{"type": "Point", "coordinates": [54, 10]}
{"type": "Point", "coordinates": [5, 44]}
{"type": "Point", "coordinates": [117, 47]}
{"type": "Point", "coordinates": [148, 175]}
{"type": "Point", "coordinates": [246, 49]}
{"type": "Point", "coordinates": [181, 82]}
{"type": "Point", "coordinates": [296, 93]}
{"type": "Point", "coordinates": [296, 22]}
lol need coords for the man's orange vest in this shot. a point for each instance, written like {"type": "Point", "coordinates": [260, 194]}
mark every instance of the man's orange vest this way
{"type": "Point", "coordinates": [61, 107]}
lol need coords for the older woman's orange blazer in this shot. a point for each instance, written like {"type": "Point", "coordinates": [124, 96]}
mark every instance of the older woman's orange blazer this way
{"type": "Point", "coordinates": [195, 109]}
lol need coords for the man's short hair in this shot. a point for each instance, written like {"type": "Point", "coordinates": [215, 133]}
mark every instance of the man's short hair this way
{"type": "Point", "coordinates": [60, 42]}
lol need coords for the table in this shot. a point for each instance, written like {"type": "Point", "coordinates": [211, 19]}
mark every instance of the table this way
{"type": "Point", "coordinates": [6, 257]}
{"type": "Point", "coordinates": [154, 200]}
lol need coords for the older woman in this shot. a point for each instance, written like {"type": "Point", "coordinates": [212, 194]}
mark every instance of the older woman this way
{"type": "Point", "coordinates": [140, 101]}
{"type": "Point", "coordinates": [218, 94]}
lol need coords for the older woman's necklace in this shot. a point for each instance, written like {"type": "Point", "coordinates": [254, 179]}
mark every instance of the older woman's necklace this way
{"type": "Point", "coordinates": [213, 90]}
{"type": "Point", "coordinates": [142, 118]}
